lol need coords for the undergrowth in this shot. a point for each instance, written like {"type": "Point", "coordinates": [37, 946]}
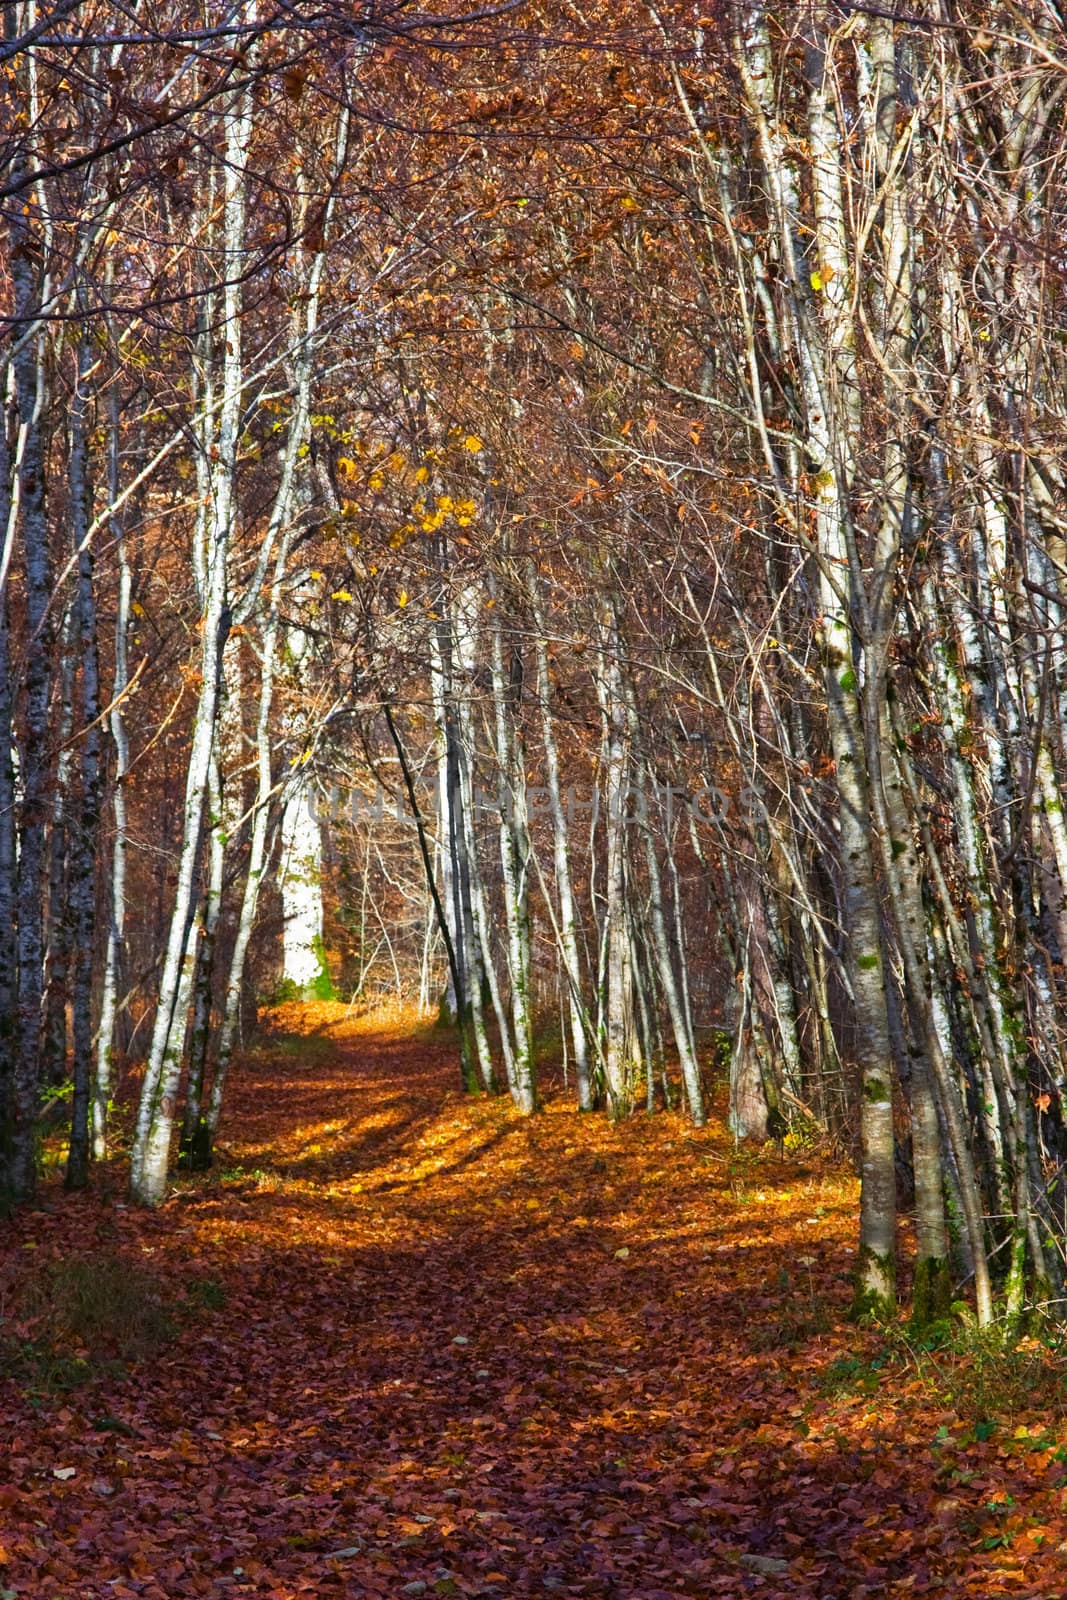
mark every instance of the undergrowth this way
{"type": "Point", "coordinates": [85, 1318]}
{"type": "Point", "coordinates": [986, 1378]}
{"type": "Point", "coordinates": [980, 1373]}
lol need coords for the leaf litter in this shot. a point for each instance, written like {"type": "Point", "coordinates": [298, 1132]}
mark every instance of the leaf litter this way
{"type": "Point", "coordinates": [429, 1347]}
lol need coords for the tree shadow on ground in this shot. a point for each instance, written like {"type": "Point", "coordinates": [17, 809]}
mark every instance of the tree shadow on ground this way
{"type": "Point", "coordinates": [489, 1357]}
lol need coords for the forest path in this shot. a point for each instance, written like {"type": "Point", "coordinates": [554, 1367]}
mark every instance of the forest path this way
{"type": "Point", "coordinates": [466, 1354]}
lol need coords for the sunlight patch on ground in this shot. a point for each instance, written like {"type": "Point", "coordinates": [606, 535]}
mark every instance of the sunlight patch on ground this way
{"type": "Point", "coordinates": [456, 1340]}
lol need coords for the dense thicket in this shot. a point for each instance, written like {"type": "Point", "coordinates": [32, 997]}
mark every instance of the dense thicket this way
{"type": "Point", "coordinates": [566, 511]}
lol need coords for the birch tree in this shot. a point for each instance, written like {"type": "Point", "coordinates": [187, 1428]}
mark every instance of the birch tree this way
{"type": "Point", "coordinates": [158, 1102]}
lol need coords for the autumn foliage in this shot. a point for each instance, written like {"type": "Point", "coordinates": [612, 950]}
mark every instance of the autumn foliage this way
{"type": "Point", "coordinates": [533, 748]}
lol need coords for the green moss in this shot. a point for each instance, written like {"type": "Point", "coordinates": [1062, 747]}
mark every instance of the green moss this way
{"type": "Point", "coordinates": [869, 1305]}
{"type": "Point", "coordinates": [876, 1091]}
{"type": "Point", "coordinates": [931, 1294]}
{"type": "Point", "coordinates": [868, 962]}
{"type": "Point", "coordinates": [446, 1017]}
{"type": "Point", "coordinates": [874, 1297]}
{"type": "Point", "coordinates": [848, 681]}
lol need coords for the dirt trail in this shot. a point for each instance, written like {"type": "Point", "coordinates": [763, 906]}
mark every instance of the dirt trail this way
{"type": "Point", "coordinates": [463, 1354]}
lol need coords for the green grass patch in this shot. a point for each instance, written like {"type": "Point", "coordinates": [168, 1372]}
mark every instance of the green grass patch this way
{"type": "Point", "coordinates": [987, 1379]}
{"type": "Point", "coordinates": [206, 1294]}
{"type": "Point", "coordinates": [84, 1318]}
{"type": "Point", "coordinates": [92, 1317]}
{"type": "Point", "coordinates": [853, 1375]}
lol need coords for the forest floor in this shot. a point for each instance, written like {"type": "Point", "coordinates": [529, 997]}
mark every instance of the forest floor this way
{"type": "Point", "coordinates": [400, 1343]}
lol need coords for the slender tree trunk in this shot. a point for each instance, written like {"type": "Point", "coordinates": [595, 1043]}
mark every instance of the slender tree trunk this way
{"type": "Point", "coordinates": [568, 916]}
{"type": "Point", "coordinates": [158, 1103]}
{"type": "Point", "coordinates": [194, 1148]}
{"type": "Point", "coordinates": [257, 856]}
{"type": "Point", "coordinates": [85, 838]}
{"type": "Point", "coordinates": [31, 380]}
{"type": "Point", "coordinates": [619, 1054]}
{"type": "Point", "coordinates": [469, 1078]}
{"type": "Point", "coordinates": [8, 862]}
{"type": "Point", "coordinates": [280, 532]}
{"type": "Point", "coordinates": [824, 348]}
{"type": "Point", "coordinates": [515, 866]}
{"type": "Point", "coordinates": [664, 964]}
{"type": "Point", "coordinates": [472, 902]}
{"type": "Point", "coordinates": [483, 930]}
{"type": "Point", "coordinates": [60, 933]}
{"type": "Point", "coordinates": [467, 965]}
{"type": "Point", "coordinates": [116, 888]}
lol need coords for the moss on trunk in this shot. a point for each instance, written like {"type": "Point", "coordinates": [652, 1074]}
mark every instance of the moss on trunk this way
{"type": "Point", "coordinates": [931, 1293]}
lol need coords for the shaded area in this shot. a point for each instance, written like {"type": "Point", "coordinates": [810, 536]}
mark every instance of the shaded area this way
{"type": "Point", "coordinates": [492, 1357]}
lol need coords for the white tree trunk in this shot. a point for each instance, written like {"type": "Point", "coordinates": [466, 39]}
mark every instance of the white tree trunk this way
{"type": "Point", "coordinates": [116, 890]}
{"type": "Point", "coordinates": [300, 886]}
{"type": "Point", "coordinates": [515, 867]}
{"type": "Point", "coordinates": [568, 915]}
{"type": "Point", "coordinates": [664, 963]}
{"type": "Point", "coordinates": [620, 1061]}
{"type": "Point", "coordinates": [159, 1091]}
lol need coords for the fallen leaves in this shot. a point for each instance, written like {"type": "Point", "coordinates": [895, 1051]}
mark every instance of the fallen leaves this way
{"type": "Point", "coordinates": [413, 1381]}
